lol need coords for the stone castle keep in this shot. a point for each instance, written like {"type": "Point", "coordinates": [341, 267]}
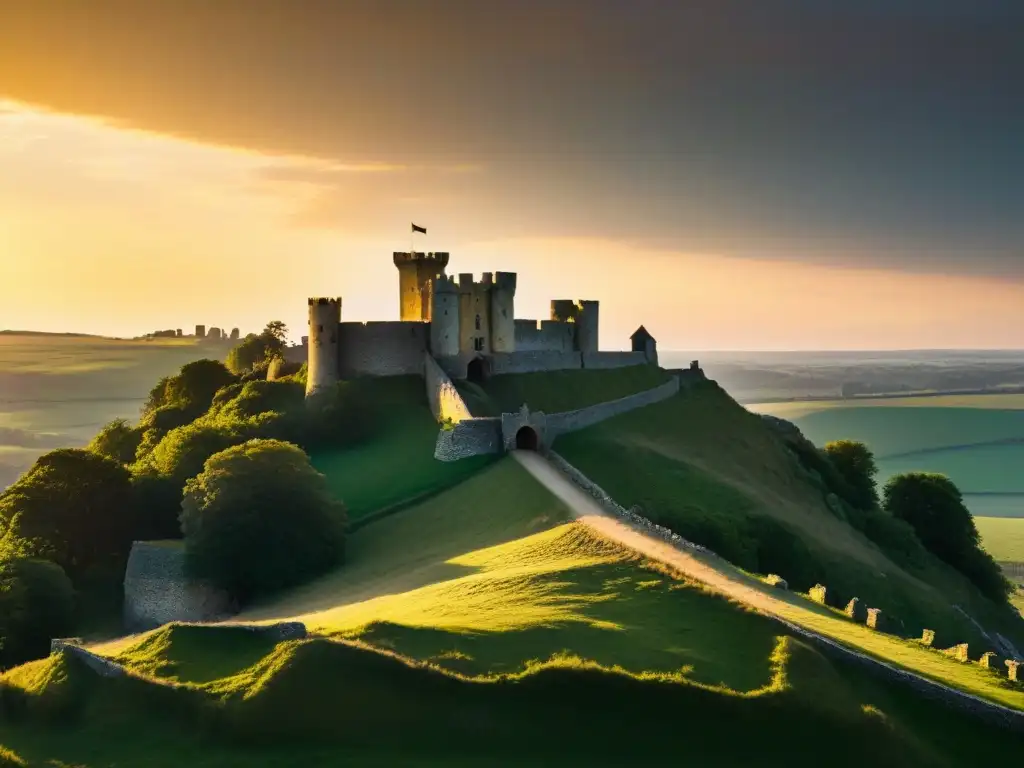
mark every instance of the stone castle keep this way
{"type": "Point", "coordinates": [468, 326]}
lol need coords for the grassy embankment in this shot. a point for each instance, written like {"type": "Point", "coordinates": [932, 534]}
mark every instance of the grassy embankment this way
{"type": "Point", "coordinates": [708, 468]}
{"type": "Point", "coordinates": [396, 463]}
{"type": "Point", "coordinates": [479, 627]}
{"type": "Point", "coordinates": [556, 391]}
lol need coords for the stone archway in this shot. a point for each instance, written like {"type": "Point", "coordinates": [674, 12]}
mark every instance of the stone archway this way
{"type": "Point", "coordinates": [527, 439]}
{"type": "Point", "coordinates": [476, 371]}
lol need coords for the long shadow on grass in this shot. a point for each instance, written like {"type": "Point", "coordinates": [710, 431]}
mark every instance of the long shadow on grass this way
{"type": "Point", "coordinates": [615, 615]}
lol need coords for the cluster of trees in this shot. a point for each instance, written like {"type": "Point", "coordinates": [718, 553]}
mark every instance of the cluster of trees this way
{"type": "Point", "coordinates": [218, 458]}
{"type": "Point", "coordinates": [916, 511]}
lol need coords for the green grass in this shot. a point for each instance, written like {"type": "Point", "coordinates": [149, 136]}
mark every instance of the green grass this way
{"type": "Point", "coordinates": [481, 628]}
{"type": "Point", "coordinates": [1003, 537]}
{"type": "Point", "coordinates": [706, 467]}
{"type": "Point", "coordinates": [397, 462]}
{"type": "Point", "coordinates": [556, 391]}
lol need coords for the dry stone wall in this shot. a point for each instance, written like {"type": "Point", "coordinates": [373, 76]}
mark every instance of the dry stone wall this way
{"type": "Point", "coordinates": [570, 421]}
{"type": "Point", "coordinates": [469, 437]}
{"type": "Point", "coordinates": [445, 401]}
{"type": "Point", "coordinates": [157, 591]}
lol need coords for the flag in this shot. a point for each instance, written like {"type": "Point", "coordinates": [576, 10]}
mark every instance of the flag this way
{"type": "Point", "coordinates": [416, 229]}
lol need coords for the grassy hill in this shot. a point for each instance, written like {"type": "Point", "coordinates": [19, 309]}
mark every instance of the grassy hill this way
{"type": "Point", "coordinates": [555, 391]}
{"type": "Point", "coordinates": [396, 462]}
{"type": "Point", "coordinates": [706, 467]}
{"type": "Point", "coordinates": [480, 626]}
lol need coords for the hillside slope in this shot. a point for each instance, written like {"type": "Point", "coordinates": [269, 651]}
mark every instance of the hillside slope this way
{"type": "Point", "coordinates": [701, 464]}
{"type": "Point", "coordinates": [481, 626]}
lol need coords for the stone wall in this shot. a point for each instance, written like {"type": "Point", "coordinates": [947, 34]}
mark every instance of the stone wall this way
{"type": "Point", "coordinates": [470, 437]}
{"type": "Point", "coordinates": [381, 349]}
{"type": "Point", "coordinates": [544, 335]}
{"type": "Point", "coordinates": [613, 359]}
{"type": "Point", "coordinates": [445, 401]}
{"type": "Point", "coordinates": [156, 590]}
{"type": "Point", "coordinates": [570, 421]}
{"type": "Point", "coordinates": [529, 362]}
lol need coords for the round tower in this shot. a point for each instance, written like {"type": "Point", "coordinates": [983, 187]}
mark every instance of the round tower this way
{"type": "Point", "coordinates": [444, 322]}
{"type": "Point", "coordinates": [503, 327]}
{"type": "Point", "coordinates": [586, 326]}
{"type": "Point", "coordinates": [322, 362]}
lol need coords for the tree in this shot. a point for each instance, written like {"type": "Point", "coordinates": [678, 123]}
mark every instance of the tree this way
{"type": "Point", "coordinates": [183, 451]}
{"type": "Point", "coordinates": [933, 506]}
{"type": "Point", "coordinates": [856, 464]}
{"type": "Point", "coordinates": [259, 518]}
{"type": "Point", "coordinates": [277, 330]}
{"type": "Point", "coordinates": [253, 351]}
{"type": "Point", "coordinates": [74, 507]}
{"type": "Point", "coordinates": [197, 382]}
{"type": "Point", "coordinates": [36, 604]}
{"type": "Point", "coordinates": [118, 440]}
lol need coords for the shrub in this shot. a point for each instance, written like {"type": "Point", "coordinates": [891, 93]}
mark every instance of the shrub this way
{"type": "Point", "coordinates": [259, 518]}
{"type": "Point", "coordinates": [894, 537]}
{"type": "Point", "coordinates": [197, 382]}
{"type": "Point", "coordinates": [36, 604]}
{"type": "Point", "coordinates": [183, 451]}
{"type": "Point", "coordinates": [158, 505]}
{"type": "Point", "coordinates": [856, 465]}
{"type": "Point", "coordinates": [118, 440]}
{"type": "Point", "coordinates": [73, 507]}
{"type": "Point", "coordinates": [257, 350]}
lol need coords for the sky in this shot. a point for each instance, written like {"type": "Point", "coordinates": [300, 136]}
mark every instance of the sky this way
{"type": "Point", "coordinates": [786, 174]}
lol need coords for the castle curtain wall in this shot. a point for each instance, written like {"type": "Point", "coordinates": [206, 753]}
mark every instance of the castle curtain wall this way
{"type": "Point", "coordinates": [381, 349]}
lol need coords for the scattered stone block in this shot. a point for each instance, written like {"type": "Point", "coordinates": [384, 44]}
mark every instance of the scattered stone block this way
{"type": "Point", "coordinates": [1011, 669]}
{"type": "Point", "coordinates": [875, 619]}
{"type": "Point", "coordinates": [991, 660]}
{"type": "Point", "coordinates": [958, 652]}
{"type": "Point", "coordinates": [856, 610]}
{"type": "Point", "coordinates": [774, 580]}
{"type": "Point", "coordinates": [927, 637]}
{"type": "Point", "coordinates": [818, 593]}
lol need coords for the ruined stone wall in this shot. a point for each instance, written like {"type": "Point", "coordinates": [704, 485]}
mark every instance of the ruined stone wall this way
{"type": "Point", "coordinates": [157, 591]}
{"type": "Point", "coordinates": [544, 335]}
{"type": "Point", "coordinates": [528, 362]}
{"type": "Point", "coordinates": [445, 401]}
{"type": "Point", "coordinates": [470, 437]}
{"type": "Point", "coordinates": [570, 421]}
{"type": "Point", "coordinates": [613, 359]}
{"type": "Point", "coordinates": [381, 349]}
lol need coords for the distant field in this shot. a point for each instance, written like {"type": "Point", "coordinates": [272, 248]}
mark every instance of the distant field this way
{"type": "Point", "coordinates": [1003, 537]}
{"type": "Point", "coordinates": [977, 440]}
{"type": "Point", "coordinates": [58, 391]}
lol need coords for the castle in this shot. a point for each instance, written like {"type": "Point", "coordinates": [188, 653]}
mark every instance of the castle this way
{"type": "Point", "coordinates": [468, 326]}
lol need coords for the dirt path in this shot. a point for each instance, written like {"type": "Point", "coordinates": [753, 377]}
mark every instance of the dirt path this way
{"type": "Point", "coordinates": [588, 511]}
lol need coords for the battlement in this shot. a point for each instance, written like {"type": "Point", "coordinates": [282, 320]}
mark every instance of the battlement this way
{"type": "Point", "coordinates": [445, 284]}
{"type": "Point", "coordinates": [323, 301]}
{"type": "Point", "coordinates": [503, 281]}
{"type": "Point", "coordinates": [412, 257]}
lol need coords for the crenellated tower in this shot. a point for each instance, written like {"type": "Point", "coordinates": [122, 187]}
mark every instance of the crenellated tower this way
{"type": "Point", "coordinates": [444, 325]}
{"type": "Point", "coordinates": [416, 274]}
{"type": "Point", "coordinates": [503, 328]}
{"type": "Point", "coordinates": [322, 360]}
